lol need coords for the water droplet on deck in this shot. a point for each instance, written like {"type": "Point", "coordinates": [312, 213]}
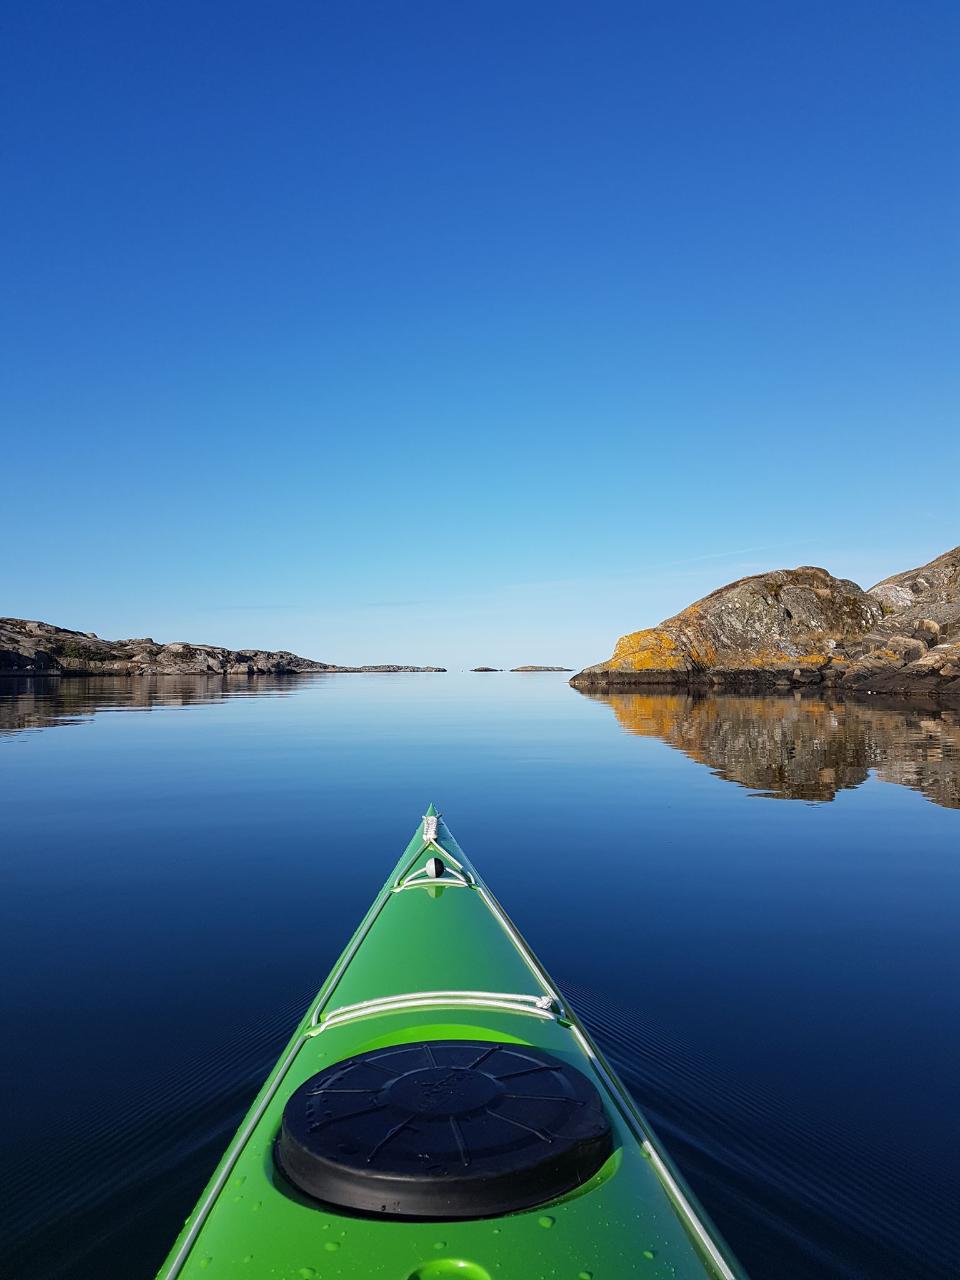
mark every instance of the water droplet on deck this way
{"type": "Point", "coordinates": [648, 1253]}
{"type": "Point", "coordinates": [584, 1275]}
{"type": "Point", "coordinates": [332, 1246]}
{"type": "Point", "coordinates": [308, 1272]}
{"type": "Point", "coordinates": [441, 1244]}
{"type": "Point", "coordinates": [205, 1262]}
{"type": "Point", "coordinates": [546, 1220]}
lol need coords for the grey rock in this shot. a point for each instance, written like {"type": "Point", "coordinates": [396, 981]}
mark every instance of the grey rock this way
{"type": "Point", "coordinates": [806, 676]}
{"type": "Point", "coordinates": [877, 663]}
{"type": "Point", "coordinates": [751, 633]}
{"type": "Point", "coordinates": [798, 627]}
{"type": "Point", "coordinates": [885, 671]}
{"type": "Point", "coordinates": [930, 593]}
{"type": "Point", "coordinates": [908, 649]}
{"type": "Point", "coordinates": [927, 630]}
{"type": "Point", "coordinates": [872, 640]}
{"type": "Point", "coordinates": [28, 647]}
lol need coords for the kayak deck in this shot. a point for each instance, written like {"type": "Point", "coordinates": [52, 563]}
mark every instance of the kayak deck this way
{"type": "Point", "coordinates": [438, 960]}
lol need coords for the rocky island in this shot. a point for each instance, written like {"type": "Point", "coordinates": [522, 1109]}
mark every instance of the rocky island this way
{"type": "Point", "coordinates": [39, 648]}
{"type": "Point", "coordinates": [541, 668]}
{"type": "Point", "coordinates": [802, 627]}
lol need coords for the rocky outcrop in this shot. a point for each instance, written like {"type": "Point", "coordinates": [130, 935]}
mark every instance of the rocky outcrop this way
{"type": "Point", "coordinates": [803, 627]}
{"type": "Point", "coordinates": [38, 648]}
{"type": "Point", "coordinates": [901, 665]}
{"type": "Point", "coordinates": [755, 631]}
{"type": "Point", "coordinates": [388, 666]}
{"type": "Point", "coordinates": [923, 599]}
{"type": "Point", "coordinates": [486, 668]}
{"type": "Point", "coordinates": [541, 668]}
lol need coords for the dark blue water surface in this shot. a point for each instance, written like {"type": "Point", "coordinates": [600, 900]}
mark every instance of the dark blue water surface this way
{"type": "Point", "coordinates": [753, 903]}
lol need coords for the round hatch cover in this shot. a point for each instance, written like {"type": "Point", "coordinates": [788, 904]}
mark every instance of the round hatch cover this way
{"type": "Point", "coordinates": [443, 1129]}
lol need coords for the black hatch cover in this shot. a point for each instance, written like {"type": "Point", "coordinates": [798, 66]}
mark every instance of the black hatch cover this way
{"type": "Point", "coordinates": [443, 1129]}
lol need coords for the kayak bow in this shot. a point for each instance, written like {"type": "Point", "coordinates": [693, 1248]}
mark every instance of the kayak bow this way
{"type": "Point", "coordinates": [411, 1133]}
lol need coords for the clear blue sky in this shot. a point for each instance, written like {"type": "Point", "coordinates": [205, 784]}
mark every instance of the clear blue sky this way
{"type": "Point", "coordinates": [465, 332]}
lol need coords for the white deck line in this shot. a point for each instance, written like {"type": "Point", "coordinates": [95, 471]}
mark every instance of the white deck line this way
{"type": "Point", "coordinates": [429, 884]}
{"type": "Point", "coordinates": [240, 1140]}
{"type": "Point", "coordinates": [382, 1001]}
{"type": "Point", "coordinates": [687, 1211]}
{"type": "Point", "coordinates": [438, 1000]}
{"type": "Point", "coordinates": [444, 853]}
{"type": "Point", "coordinates": [517, 941]}
{"type": "Point", "coordinates": [417, 879]}
{"type": "Point", "coordinates": [338, 1017]}
{"type": "Point", "coordinates": [337, 972]}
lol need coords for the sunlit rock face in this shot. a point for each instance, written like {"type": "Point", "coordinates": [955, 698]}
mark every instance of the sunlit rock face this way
{"type": "Point", "coordinates": [915, 647]}
{"type": "Point", "coordinates": [802, 627]}
{"type": "Point", "coordinates": [804, 747]}
{"type": "Point", "coordinates": [752, 630]}
{"type": "Point", "coordinates": [928, 594]}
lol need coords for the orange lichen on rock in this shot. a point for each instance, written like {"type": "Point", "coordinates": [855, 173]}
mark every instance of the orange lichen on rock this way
{"type": "Point", "coordinates": [787, 622]}
{"type": "Point", "coordinates": [800, 627]}
{"type": "Point", "coordinates": [650, 650]}
{"type": "Point", "coordinates": [775, 658]}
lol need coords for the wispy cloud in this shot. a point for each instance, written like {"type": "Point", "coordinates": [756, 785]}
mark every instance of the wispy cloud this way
{"type": "Point", "coordinates": [742, 551]}
{"type": "Point", "coordinates": [254, 608]}
{"type": "Point", "coordinates": [393, 604]}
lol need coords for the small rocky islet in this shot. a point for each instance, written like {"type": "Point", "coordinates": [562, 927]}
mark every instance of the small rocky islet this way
{"type": "Point", "coordinates": [513, 669]}
{"type": "Point", "coordinates": [802, 627]}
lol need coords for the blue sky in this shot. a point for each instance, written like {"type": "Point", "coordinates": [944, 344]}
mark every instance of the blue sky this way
{"type": "Point", "coordinates": [469, 332]}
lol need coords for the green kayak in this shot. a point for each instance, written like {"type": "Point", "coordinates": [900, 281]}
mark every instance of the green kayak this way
{"type": "Point", "coordinates": [440, 1113]}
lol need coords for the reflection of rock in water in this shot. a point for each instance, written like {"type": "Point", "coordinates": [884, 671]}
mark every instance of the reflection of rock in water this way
{"type": "Point", "coordinates": [804, 748]}
{"type": "Point", "coordinates": [35, 702]}
{"type": "Point", "coordinates": [935, 768]}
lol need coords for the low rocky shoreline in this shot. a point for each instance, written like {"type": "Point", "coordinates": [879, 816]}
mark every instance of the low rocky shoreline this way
{"type": "Point", "coordinates": [39, 648]}
{"type": "Point", "coordinates": [514, 669]}
{"type": "Point", "coordinates": [798, 628]}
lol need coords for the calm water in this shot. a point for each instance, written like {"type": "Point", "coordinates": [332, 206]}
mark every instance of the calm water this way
{"type": "Point", "coordinates": [754, 903]}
